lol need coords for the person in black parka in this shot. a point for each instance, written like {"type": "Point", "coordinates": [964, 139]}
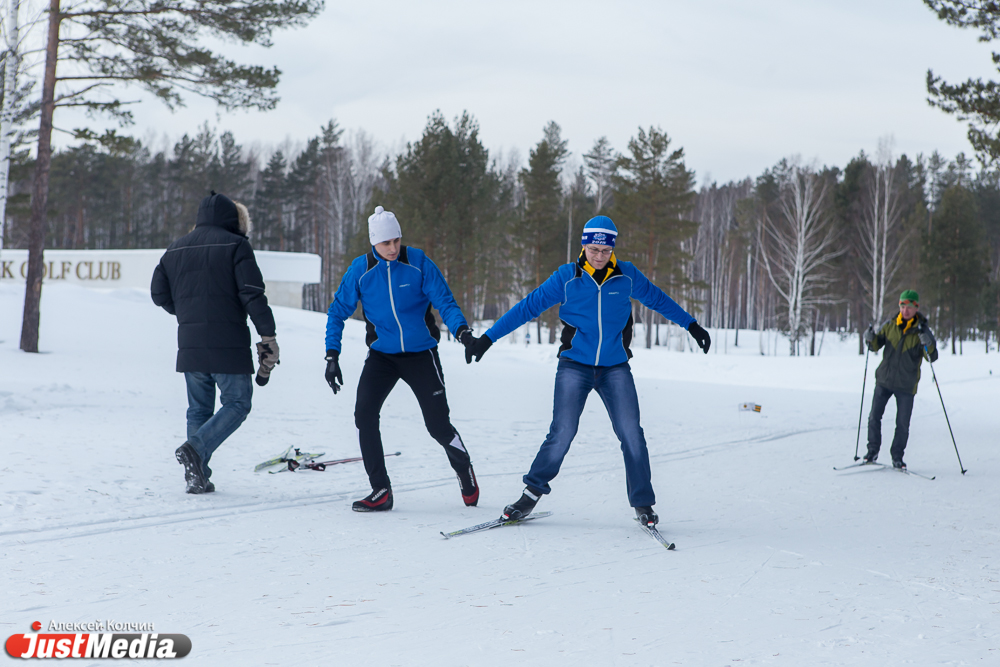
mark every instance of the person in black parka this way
{"type": "Point", "coordinates": [210, 280]}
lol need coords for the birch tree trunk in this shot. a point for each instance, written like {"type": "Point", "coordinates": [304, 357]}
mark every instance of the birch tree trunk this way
{"type": "Point", "coordinates": [801, 244]}
{"type": "Point", "coordinates": [880, 238]}
{"type": "Point", "coordinates": [12, 62]}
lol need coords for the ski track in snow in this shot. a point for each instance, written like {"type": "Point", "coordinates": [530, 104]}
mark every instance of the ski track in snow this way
{"type": "Point", "coordinates": [780, 560]}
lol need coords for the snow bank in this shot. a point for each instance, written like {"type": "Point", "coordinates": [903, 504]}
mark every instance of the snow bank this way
{"type": "Point", "coordinates": [780, 560]}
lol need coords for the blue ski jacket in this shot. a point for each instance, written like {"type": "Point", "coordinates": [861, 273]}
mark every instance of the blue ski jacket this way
{"type": "Point", "coordinates": [597, 317]}
{"type": "Point", "coordinates": [396, 299]}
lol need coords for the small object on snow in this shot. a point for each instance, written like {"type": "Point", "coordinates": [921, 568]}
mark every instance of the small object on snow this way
{"type": "Point", "coordinates": [294, 465]}
{"type": "Point", "coordinates": [495, 523]}
{"type": "Point", "coordinates": [749, 406]}
{"type": "Point", "coordinates": [655, 534]}
{"type": "Point", "coordinates": [287, 456]}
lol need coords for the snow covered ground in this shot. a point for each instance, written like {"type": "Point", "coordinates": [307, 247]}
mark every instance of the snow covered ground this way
{"type": "Point", "coordinates": [779, 561]}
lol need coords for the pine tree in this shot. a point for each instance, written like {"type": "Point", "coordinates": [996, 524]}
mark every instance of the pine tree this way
{"type": "Point", "coordinates": [955, 261]}
{"type": "Point", "coordinates": [445, 194]}
{"type": "Point", "coordinates": [269, 205]}
{"type": "Point", "coordinates": [156, 46]}
{"type": "Point", "coordinates": [654, 194]}
{"type": "Point", "coordinates": [542, 229]}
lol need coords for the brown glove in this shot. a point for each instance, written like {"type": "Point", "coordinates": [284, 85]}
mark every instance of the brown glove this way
{"type": "Point", "coordinates": [267, 358]}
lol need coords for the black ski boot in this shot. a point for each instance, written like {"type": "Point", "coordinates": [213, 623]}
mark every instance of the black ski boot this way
{"type": "Point", "coordinates": [523, 506]}
{"type": "Point", "coordinates": [898, 464]}
{"type": "Point", "coordinates": [470, 489]}
{"type": "Point", "coordinates": [379, 500]}
{"type": "Point", "coordinates": [193, 472]}
{"type": "Point", "coordinates": [871, 456]}
{"type": "Point", "coordinates": [647, 516]}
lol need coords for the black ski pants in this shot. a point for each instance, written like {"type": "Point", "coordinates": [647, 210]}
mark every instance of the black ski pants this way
{"type": "Point", "coordinates": [422, 371]}
{"type": "Point", "coordinates": [904, 408]}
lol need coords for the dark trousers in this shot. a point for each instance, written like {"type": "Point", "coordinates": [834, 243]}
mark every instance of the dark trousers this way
{"type": "Point", "coordinates": [615, 386]}
{"type": "Point", "coordinates": [422, 371]}
{"type": "Point", "coordinates": [904, 408]}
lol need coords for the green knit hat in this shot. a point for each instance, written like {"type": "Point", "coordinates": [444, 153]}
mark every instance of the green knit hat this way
{"type": "Point", "coordinates": [910, 295]}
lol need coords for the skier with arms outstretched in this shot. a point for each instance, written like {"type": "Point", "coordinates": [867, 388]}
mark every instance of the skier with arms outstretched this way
{"type": "Point", "coordinates": [595, 295]}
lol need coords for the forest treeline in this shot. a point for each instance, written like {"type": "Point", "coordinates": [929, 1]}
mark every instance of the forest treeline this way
{"type": "Point", "coordinates": [800, 248]}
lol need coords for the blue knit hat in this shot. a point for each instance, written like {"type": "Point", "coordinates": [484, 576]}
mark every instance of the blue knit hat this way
{"type": "Point", "coordinates": [600, 230]}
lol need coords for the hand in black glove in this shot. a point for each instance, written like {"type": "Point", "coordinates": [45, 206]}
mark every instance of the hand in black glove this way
{"type": "Point", "coordinates": [464, 336]}
{"type": "Point", "coordinates": [700, 336]}
{"type": "Point", "coordinates": [869, 335]}
{"type": "Point", "coordinates": [333, 375]}
{"type": "Point", "coordinates": [478, 348]}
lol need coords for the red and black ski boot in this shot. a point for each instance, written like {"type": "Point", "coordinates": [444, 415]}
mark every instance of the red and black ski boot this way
{"type": "Point", "coordinates": [379, 500]}
{"type": "Point", "coordinates": [470, 489]}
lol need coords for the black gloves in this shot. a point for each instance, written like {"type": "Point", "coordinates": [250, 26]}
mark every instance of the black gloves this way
{"type": "Point", "coordinates": [477, 348]}
{"type": "Point", "coordinates": [333, 375]}
{"type": "Point", "coordinates": [465, 337]}
{"type": "Point", "coordinates": [700, 336]}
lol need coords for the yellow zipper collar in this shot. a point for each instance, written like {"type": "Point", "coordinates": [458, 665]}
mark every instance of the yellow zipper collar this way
{"type": "Point", "coordinates": [909, 323]}
{"type": "Point", "coordinates": [612, 263]}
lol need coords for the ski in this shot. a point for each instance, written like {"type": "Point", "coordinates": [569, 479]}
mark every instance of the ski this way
{"type": "Point", "coordinates": [863, 463]}
{"type": "Point", "coordinates": [655, 534]}
{"type": "Point", "coordinates": [495, 523]}
{"type": "Point", "coordinates": [917, 474]}
{"type": "Point", "coordinates": [293, 465]}
{"type": "Point", "coordinates": [883, 466]}
{"type": "Point", "coordinates": [287, 456]}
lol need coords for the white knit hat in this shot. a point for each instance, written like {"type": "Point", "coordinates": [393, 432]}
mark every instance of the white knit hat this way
{"type": "Point", "coordinates": [383, 226]}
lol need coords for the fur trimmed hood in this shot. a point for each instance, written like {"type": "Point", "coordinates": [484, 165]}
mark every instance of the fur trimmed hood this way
{"type": "Point", "coordinates": [243, 218]}
{"type": "Point", "coordinates": [221, 211]}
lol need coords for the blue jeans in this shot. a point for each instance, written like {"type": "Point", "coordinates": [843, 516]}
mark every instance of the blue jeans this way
{"type": "Point", "coordinates": [615, 386]}
{"type": "Point", "coordinates": [207, 429]}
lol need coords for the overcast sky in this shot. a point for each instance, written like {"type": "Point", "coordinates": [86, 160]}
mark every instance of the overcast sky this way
{"type": "Point", "coordinates": [737, 84]}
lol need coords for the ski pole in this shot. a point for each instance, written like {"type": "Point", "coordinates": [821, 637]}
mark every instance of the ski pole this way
{"type": "Point", "coordinates": [934, 375]}
{"type": "Point", "coordinates": [861, 410]}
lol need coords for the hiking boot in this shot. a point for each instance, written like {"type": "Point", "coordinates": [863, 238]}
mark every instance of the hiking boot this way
{"type": "Point", "coordinates": [193, 475]}
{"type": "Point", "coordinates": [470, 489]}
{"type": "Point", "coordinates": [379, 500]}
{"type": "Point", "coordinates": [898, 463]}
{"type": "Point", "coordinates": [523, 506]}
{"type": "Point", "coordinates": [647, 516]}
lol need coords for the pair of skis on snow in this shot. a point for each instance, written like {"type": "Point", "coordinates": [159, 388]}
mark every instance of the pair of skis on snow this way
{"type": "Point", "coordinates": [501, 522]}
{"type": "Point", "coordinates": [293, 459]}
{"type": "Point", "coordinates": [882, 466]}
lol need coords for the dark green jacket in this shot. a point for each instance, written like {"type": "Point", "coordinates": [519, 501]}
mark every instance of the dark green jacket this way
{"type": "Point", "coordinates": [900, 367]}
